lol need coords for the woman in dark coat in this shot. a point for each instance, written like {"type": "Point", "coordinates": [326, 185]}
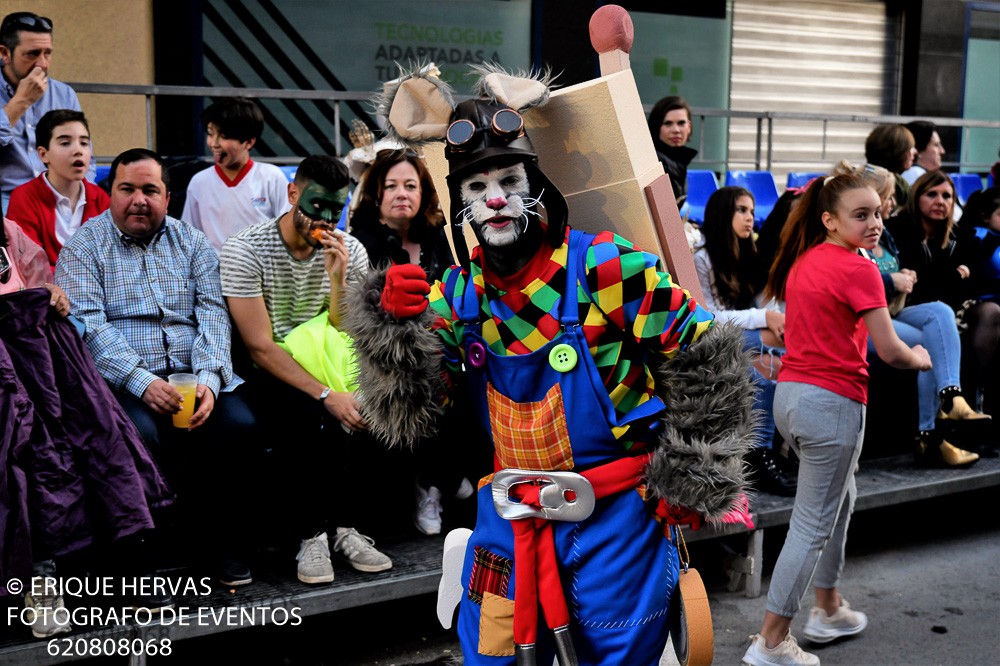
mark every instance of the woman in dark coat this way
{"type": "Point", "coordinates": [670, 126]}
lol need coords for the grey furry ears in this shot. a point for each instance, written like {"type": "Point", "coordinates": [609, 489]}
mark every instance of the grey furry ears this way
{"type": "Point", "coordinates": [418, 106]}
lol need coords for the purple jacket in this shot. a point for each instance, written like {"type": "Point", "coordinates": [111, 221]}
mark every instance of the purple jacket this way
{"type": "Point", "coordinates": [70, 459]}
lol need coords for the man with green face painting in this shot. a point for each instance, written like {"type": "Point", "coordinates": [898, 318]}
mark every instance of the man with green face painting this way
{"type": "Point", "coordinates": [278, 277]}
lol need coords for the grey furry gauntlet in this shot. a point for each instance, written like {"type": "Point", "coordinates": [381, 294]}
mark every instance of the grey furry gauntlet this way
{"type": "Point", "coordinates": [401, 389]}
{"type": "Point", "coordinates": [709, 424]}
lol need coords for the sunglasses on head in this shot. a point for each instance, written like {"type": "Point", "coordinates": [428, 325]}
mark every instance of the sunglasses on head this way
{"type": "Point", "coordinates": [39, 22]}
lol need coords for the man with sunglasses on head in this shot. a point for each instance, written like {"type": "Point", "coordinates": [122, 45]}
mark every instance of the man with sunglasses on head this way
{"type": "Point", "coordinates": [26, 95]}
{"type": "Point", "coordinates": [279, 278]}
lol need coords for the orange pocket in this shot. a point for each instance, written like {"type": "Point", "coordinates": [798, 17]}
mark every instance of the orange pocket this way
{"type": "Point", "coordinates": [496, 626]}
{"type": "Point", "coordinates": [530, 435]}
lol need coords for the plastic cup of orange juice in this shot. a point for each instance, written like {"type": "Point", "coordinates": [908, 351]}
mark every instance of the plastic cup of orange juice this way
{"type": "Point", "coordinates": [186, 384]}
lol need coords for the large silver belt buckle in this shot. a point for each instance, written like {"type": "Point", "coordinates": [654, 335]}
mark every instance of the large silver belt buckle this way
{"type": "Point", "coordinates": [563, 496]}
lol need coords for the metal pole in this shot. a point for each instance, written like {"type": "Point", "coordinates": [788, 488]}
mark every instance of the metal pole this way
{"type": "Point", "coordinates": [149, 122]}
{"type": "Point", "coordinates": [336, 126]}
{"type": "Point", "coordinates": [770, 140]}
{"type": "Point", "coordinates": [760, 129]}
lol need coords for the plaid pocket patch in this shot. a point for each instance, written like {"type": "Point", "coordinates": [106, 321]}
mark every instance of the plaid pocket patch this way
{"type": "Point", "coordinates": [530, 435]}
{"type": "Point", "coordinates": [490, 573]}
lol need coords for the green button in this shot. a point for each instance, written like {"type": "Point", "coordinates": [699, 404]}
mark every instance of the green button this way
{"type": "Point", "coordinates": [562, 358]}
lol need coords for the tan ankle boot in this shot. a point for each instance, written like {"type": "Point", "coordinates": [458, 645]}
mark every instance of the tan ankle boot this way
{"type": "Point", "coordinates": [953, 456]}
{"type": "Point", "coordinates": [961, 411]}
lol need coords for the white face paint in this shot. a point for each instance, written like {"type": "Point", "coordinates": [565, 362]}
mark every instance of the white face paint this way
{"type": "Point", "coordinates": [496, 204]}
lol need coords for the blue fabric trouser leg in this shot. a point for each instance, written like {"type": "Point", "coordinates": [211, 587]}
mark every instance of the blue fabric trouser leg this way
{"type": "Point", "coordinates": [763, 402]}
{"type": "Point", "coordinates": [933, 326]}
{"type": "Point", "coordinates": [826, 430]}
{"type": "Point", "coordinates": [209, 467]}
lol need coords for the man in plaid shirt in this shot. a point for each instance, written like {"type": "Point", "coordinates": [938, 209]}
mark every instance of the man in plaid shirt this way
{"type": "Point", "coordinates": [146, 287]}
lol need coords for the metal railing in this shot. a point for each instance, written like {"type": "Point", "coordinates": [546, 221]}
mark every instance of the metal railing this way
{"type": "Point", "coordinates": [764, 152]}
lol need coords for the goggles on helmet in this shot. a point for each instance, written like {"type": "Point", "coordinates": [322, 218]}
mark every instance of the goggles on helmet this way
{"type": "Point", "coordinates": [506, 124]}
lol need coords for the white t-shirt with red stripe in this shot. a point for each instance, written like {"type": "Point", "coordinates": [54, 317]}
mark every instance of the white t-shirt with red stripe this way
{"type": "Point", "coordinates": [220, 207]}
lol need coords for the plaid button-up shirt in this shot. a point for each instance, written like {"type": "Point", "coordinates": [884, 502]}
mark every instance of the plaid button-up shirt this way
{"type": "Point", "coordinates": [149, 310]}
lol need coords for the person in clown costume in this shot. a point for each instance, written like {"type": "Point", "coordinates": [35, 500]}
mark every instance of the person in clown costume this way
{"type": "Point", "coordinates": [616, 407]}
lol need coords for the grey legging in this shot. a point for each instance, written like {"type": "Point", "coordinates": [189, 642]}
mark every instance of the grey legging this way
{"type": "Point", "coordinates": [826, 430]}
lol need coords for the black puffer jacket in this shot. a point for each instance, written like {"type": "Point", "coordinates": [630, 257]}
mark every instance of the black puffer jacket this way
{"type": "Point", "coordinates": [675, 161]}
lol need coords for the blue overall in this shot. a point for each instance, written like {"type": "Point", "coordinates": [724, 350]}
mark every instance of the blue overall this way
{"type": "Point", "coordinates": [618, 570]}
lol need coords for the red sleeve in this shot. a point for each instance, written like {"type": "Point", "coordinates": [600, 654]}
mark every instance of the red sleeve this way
{"type": "Point", "coordinates": [98, 201]}
{"type": "Point", "coordinates": [864, 289]}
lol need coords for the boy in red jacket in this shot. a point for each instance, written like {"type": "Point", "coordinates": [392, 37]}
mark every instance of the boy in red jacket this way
{"type": "Point", "coordinates": [51, 207]}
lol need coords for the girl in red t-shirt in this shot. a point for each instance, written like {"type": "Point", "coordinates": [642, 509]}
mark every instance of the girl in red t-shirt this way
{"type": "Point", "coordinates": [833, 300]}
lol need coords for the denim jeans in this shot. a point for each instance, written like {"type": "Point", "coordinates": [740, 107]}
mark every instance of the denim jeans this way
{"type": "Point", "coordinates": [209, 467]}
{"type": "Point", "coordinates": [764, 399]}
{"type": "Point", "coordinates": [933, 326]}
{"type": "Point", "coordinates": [826, 430]}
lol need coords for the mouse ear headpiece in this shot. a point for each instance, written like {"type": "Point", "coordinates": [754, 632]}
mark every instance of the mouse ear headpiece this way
{"type": "Point", "coordinates": [417, 106]}
{"type": "Point", "coordinates": [478, 132]}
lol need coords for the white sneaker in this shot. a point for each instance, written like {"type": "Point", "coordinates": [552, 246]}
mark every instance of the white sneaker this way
{"type": "Point", "coordinates": [359, 551]}
{"type": "Point", "coordinates": [785, 653]}
{"type": "Point", "coordinates": [428, 515]}
{"type": "Point", "coordinates": [45, 621]}
{"type": "Point", "coordinates": [314, 560]}
{"type": "Point", "coordinates": [823, 628]}
{"type": "Point", "coordinates": [465, 490]}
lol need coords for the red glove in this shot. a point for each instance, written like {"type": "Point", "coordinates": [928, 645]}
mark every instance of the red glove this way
{"type": "Point", "coordinates": [405, 292]}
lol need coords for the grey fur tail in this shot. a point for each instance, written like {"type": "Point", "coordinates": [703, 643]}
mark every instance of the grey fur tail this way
{"type": "Point", "coordinates": [709, 424]}
{"type": "Point", "coordinates": [401, 389]}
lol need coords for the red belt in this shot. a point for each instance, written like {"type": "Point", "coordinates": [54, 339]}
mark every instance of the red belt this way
{"type": "Point", "coordinates": [537, 573]}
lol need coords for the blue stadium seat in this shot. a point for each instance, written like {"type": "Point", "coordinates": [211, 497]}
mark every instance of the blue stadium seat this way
{"type": "Point", "coordinates": [103, 171]}
{"type": "Point", "coordinates": [799, 178]}
{"type": "Point", "coordinates": [965, 185]}
{"type": "Point", "coordinates": [761, 186]}
{"type": "Point", "coordinates": [701, 184]}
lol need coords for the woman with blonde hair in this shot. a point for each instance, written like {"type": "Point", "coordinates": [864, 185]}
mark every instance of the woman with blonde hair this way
{"type": "Point", "coordinates": [924, 232]}
{"type": "Point", "coordinates": [930, 324]}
